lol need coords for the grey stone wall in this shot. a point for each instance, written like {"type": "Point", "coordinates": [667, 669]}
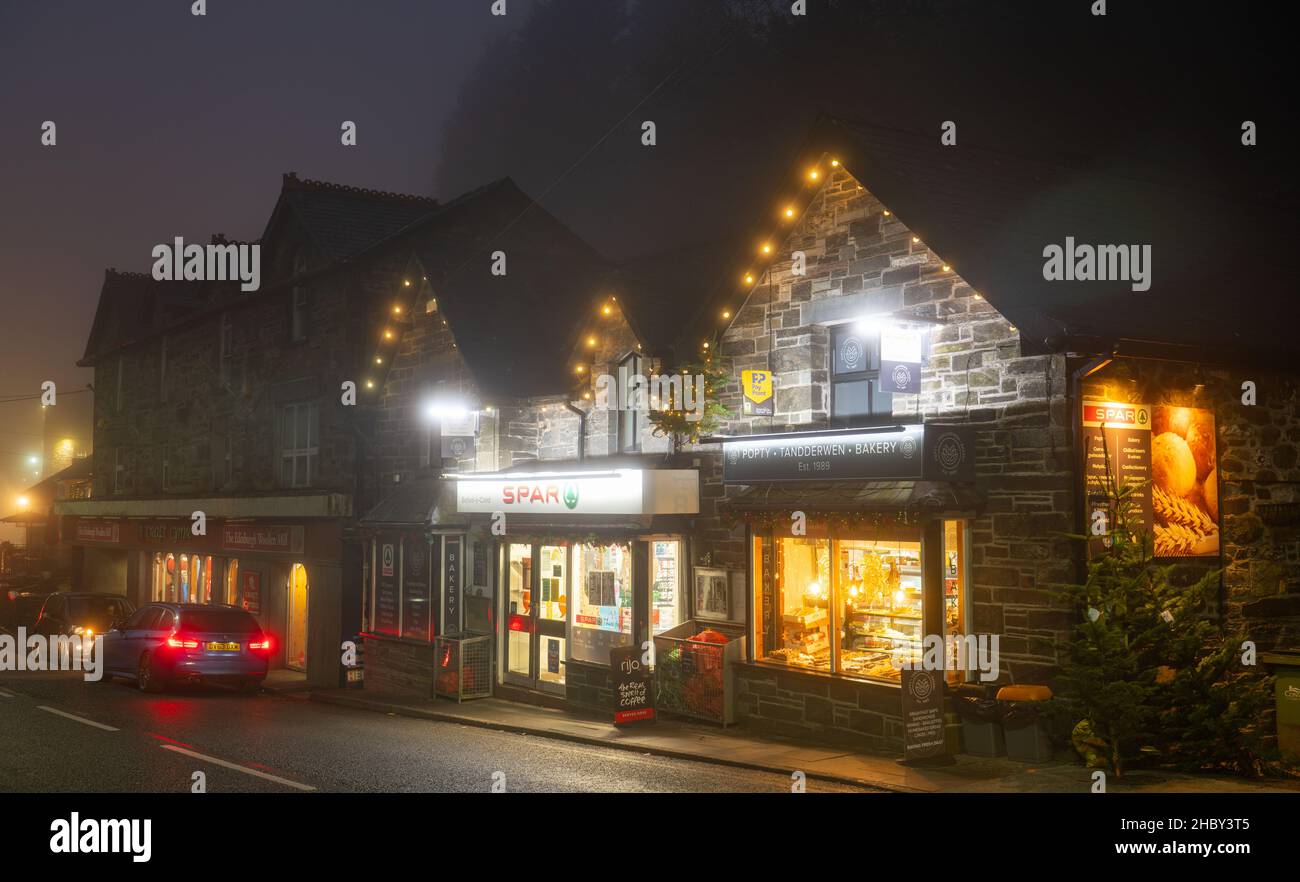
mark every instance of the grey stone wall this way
{"type": "Point", "coordinates": [975, 373]}
{"type": "Point", "coordinates": [1258, 472]}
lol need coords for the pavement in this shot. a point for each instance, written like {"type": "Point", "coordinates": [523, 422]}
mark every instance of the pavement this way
{"type": "Point", "coordinates": [683, 740]}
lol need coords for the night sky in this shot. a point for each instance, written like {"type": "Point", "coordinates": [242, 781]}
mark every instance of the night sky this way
{"type": "Point", "coordinates": [176, 125]}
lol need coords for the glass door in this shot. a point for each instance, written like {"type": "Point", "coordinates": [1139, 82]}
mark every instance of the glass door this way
{"type": "Point", "coordinates": [552, 613]}
{"type": "Point", "coordinates": [537, 609]}
{"type": "Point", "coordinates": [519, 614]}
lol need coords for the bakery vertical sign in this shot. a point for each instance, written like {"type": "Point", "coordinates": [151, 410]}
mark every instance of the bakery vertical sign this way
{"type": "Point", "coordinates": [1167, 454]}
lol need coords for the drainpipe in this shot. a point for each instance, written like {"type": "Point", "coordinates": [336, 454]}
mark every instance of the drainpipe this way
{"type": "Point", "coordinates": [582, 429]}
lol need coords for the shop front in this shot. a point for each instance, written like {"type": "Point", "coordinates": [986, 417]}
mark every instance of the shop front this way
{"type": "Point", "coordinates": [585, 562]}
{"type": "Point", "coordinates": [859, 548]}
{"type": "Point", "coordinates": [268, 569]}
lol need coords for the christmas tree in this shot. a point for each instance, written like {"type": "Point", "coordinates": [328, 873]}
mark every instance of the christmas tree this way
{"type": "Point", "coordinates": [1149, 673]}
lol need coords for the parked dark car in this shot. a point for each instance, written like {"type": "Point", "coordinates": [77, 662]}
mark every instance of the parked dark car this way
{"type": "Point", "coordinates": [166, 643]}
{"type": "Point", "coordinates": [20, 609]}
{"type": "Point", "coordinates": [81, 614]}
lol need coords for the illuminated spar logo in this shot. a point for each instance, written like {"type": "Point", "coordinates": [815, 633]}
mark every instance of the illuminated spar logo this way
{"type": "Point", "coordinates": [540, 494]}
{"type": "Point", "coordinates": [949, 452]}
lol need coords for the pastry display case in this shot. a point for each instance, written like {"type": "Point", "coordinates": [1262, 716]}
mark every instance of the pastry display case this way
{"type": "Point", "coordinates": [881, 617]}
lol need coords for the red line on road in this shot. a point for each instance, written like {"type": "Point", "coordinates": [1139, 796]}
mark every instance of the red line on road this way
{"type": "Point", "coordinates": [170, 740]}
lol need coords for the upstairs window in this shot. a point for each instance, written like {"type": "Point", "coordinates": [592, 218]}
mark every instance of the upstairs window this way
{"type": "Point", "coordinates": [299, 443]}
{"type": "Point", "coordinates": [856, 393]}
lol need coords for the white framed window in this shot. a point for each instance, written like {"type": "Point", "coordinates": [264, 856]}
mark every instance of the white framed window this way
{"type": "Point", "coordinates": [299, 443]}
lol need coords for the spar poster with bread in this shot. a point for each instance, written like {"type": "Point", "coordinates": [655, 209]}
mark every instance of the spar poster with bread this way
{"type": "Point", "coordinates": [1167, 453]}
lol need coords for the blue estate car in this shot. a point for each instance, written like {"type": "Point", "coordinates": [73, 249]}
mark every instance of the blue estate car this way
{"type": "Point", "coordinates": [165, 643]}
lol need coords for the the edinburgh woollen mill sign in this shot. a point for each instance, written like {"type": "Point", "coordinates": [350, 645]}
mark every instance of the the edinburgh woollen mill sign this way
{"type": "Point", "coordinates": [913, 452]}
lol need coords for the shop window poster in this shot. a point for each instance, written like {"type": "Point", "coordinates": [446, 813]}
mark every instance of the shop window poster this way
{"type": "Point", "coordinates": [1168, 455]}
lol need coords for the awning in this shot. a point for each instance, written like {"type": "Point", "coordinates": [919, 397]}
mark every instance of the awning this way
{"type": "Point", "coordinates": [424, 501]}
{"type": "Point", "coordinates": [920, 497]}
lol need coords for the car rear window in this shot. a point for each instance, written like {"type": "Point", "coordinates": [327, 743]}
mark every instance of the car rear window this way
{"type": "Point", "coordinates": [219, 620]}
{"type": "Point", "coordinates": [95, 609]}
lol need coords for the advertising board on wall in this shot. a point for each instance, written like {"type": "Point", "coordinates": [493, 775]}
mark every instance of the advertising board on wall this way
{"type": "Point", "coordinates": [1167, 455]}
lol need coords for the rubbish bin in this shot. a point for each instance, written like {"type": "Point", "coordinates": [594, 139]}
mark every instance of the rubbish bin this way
{"type": "Point", "coordinates": [1023, 726]}
{"type": "Point", "coordinates": [981, 721]}
{"type": "Point", "coordinates": [1286, 691]}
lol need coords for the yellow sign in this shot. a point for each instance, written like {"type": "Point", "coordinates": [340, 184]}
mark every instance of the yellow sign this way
{"type": "Point", "coordinates": [756, 387]}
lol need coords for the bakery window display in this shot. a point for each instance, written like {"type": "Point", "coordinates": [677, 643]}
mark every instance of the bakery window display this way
{"type": "Point", "coordinates": [850, 606]}
{"type": "Point", "coordinates": [880, 594]}
{"type": "Point", "coordinates": [803, 581]}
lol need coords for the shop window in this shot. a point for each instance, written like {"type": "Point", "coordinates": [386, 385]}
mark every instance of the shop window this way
{"type": "Point", "coordinates": [850, 606]}
{"type": "Point", "coordinates": [955, 539]}
{"type": "Point", "coordinates": [803, 577]}
{"type": "Point", "coordinates": [299, 439]}
{"type": "Point", "coordinates": [879, 597]}
{"type": "Point", "coordinates": [232, 583]}
{"type": "Point", "coordinates": [602, 601]}
{"type": "Point", "coordinates": [666, 592]}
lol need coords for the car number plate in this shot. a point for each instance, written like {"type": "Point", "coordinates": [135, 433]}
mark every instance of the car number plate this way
{"type": "Point", "coordinates": [223, 647]}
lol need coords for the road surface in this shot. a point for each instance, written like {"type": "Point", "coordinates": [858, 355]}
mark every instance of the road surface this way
{"type": "Point", "coordinates": [59, 733]}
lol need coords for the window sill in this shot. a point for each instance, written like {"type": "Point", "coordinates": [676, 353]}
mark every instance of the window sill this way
{"type": "Point", "coordinates": [821, 675]}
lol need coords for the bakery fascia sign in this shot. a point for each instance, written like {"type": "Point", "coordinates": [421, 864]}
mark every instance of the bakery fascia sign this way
{"type": "Point", "coordinates": [616, 491]}
{"type": "Point", "coordinates": [927, 451]}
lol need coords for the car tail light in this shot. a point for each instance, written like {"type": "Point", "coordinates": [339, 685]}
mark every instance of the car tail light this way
{"type": "Point", "coordinates": [182, 641]}
{"type": "Point", "coordinates": [260, 643]}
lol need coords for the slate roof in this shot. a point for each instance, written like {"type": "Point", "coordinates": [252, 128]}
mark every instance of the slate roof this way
{"type": "Point", "coordinates": [343, 221]}
{"type": "Point", "coordinates": [133, 306]}
{"type": "Point", "coordinates": [669, 295]}
{"type": "Point", "coordinates": [1221, 286]}
{"type": "Point", "coordinates": [515, 331]}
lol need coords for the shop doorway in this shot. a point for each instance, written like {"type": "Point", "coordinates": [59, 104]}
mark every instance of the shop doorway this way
{"type": "Point", "coordinates": [537, 610]}
{"type": "Point", "coordinates": [295, 644]}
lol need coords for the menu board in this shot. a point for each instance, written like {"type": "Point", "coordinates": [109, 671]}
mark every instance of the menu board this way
{"type": "Point", "coordinates": [633, 697]}
{"type": "Point", "coordinates": [922, 714]}
{"type": "Point", "coordinates": [387, 609]}
{"type": "Point", "coordinates": [1168, 455]}
{"type": "Point", "coordinates": [416, 568]}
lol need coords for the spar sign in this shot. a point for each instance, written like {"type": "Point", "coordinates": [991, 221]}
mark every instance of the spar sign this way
{"type": "Point", "coordinates": [617, 491]}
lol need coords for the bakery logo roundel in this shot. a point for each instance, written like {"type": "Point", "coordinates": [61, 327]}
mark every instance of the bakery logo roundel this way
{"type": "Point", "coordinates": [908, 448]}
{"type": "Point", "coordinates": [851, 354]}
{"type": "Point", "coordinates": [902, 376]}
{"type": "Point", "coordinates": [921, 686]}
{"type": "Point", "coordinates": [949, 452]}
